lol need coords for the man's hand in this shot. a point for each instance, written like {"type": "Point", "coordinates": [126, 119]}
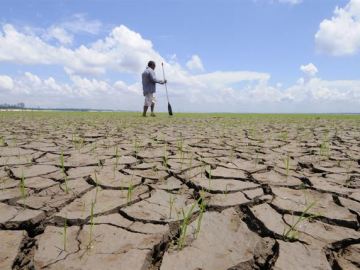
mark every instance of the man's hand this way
{"type": "Point", "coordinates": [164, 81]}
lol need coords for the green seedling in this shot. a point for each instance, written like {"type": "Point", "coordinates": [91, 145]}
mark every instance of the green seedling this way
{"type": "Point", "coordinates": [226, 190]}
{"type": "Point", "coordinates": [96, 185]}
{"type": "Point", "coordinates": [232, 154]}
{"type": "Point", "coordinates": [325, 149]}
{"type": "Point", "coordinates": [171, 204]}
{"type": "Point", "coordinates": [256, 159]}
{"type": "Point", "coordinates": [22, 187]}
{"type": "Point", "coordinates": [209, 177]}
{"type": "Point", "coordinates": [136, 147]}
{"type": "Point", "coordinates": [130, 191]}
{"type": "Point", "coordinates": [78, 142]}
{"type": "Point", "coordinates": [63, 172]}
{"type": "Point", "coordinates": [202, 206]}
{"type": "Point", "coordinates": [292, 233]}
{"type": "Point", "coordinates": [182, 160]}
{"type": "Point", "coordinates": [165, 162]}
{"type": "Point", "coordinates": [183, 227]}
{"type": "Point", "coordinates": [284, 136]}
{"type": "Point", "coordinates": [96, 180]}
{"type": "Point", "coordinates": [65, 233]}
{"type": "Point", "coordinates": [90, 245]}
{"type": "Point", "coordinates": [83, 207]}
{"type": "Point", "coordinates": [117, 156]}
{"type": "Point", "coordinates": [2, 141]}
{"type": "Point", "coordinates": [180, 145]}
{"type": "Point", "coordinates": [191, 160]}
{"type": "Point", "coordinates": [287, 165]}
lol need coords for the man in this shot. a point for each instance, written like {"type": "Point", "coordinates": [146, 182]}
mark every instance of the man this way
{"type": "Point", "coordinates": [149, 87]}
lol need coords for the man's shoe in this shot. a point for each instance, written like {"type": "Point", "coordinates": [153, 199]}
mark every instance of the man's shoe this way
{"type": "Point", "coordinates": [153, 114]}
{"type": "Point", "coordinates": [144, 115]}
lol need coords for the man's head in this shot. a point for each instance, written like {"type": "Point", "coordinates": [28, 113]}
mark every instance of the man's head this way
{"type": "Point", "coordinates": [151, 64]}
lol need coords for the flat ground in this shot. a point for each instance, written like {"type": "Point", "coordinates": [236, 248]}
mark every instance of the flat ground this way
{"type": "Point", "coordinates": [118, 191]}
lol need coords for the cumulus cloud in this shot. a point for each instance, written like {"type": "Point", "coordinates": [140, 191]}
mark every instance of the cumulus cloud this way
{"type": "Point", "coordinates": [195, 63]}
{"type": "Point", "coordinates": [64, 31]}
{"type": "Point", "coordinates": [80, 23]}
{"type": "Point", "coordinates": [340, 35]}
{"type": "Point", "coordinates": [6, 82]}
{"type": "Point", "coordinates": [123, 50]}
{"type": "Point", "coordinates": [59, 34]}
{"type": "Point", "coordinates": [310, 69]}
{"type": "Point", "coordinates": [126, 52]}
{"type": "Point", "coordinates": [209, 92]}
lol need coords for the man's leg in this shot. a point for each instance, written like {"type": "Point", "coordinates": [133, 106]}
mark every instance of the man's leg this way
{"type": "Point", "coordinates": [145, 110]}
{"type": "Point", "coordinates": [146, 104]}
{"type": "Point", "coordinates": [152, 105]}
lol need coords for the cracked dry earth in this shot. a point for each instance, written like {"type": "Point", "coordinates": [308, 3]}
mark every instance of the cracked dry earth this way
{"type": "Point", "coordinates": [116, 191]}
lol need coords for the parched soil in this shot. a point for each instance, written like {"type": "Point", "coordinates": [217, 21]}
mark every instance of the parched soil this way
{"type": "Point", "coordinates": [200, 192]}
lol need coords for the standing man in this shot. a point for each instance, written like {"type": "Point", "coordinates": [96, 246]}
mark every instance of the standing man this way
{"type": "Point", "coordinates": [149, 87]}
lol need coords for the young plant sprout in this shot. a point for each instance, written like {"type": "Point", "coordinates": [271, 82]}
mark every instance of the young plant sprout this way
{"type": "Point", "coordinates": [165, 163]}
{"type": "Point", "coordinates": [136, 147]}
{"type": "Point", "coordinates": [284, 135]}
{"type": "Point", "coordinates": [226, 190]}
{"type": "Point", "coordinates": [65, 233]}
{"type": "Point", "coordinates": [292, 232]}
{"type": "Point", "coordinates": [63, 172]}
{"type": "Point", "coordinates": [90, 246]}
{"type": "Point", "coordinates": [2, 141]}
{"type": "Point", "coordinates": [22, 187]}
{"type": "Point", "coordinates": [256, 159]}
{"type": "Point", "coordinates": [93, 148]}
{"type": "Point", "coordinates": [209, 176]}
{"type": "Point", "coordinates": [202, 206]}
{"type": "Point", "coordinates": [324, 149]}
{"type": "Point", "coordinates": [117, 156]}
{"type": "Point", "coordinates": [182, 160]}
{"type": "Point", "coordinates": [184, 225]}
{"type": "Point", "coordinates": [287, 164]}
{"type": "Point", "coordinates": [171, 203]}
{"type": "Point", "coordinates": [130, 191]}
{"type": "Point", "coordinates": [232, 156]}
{"type": "Point", "coordinates": [180, 144]}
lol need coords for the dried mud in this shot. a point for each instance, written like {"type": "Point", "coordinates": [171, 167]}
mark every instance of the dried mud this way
{"type": "Point", "coordinates": [116, 191]}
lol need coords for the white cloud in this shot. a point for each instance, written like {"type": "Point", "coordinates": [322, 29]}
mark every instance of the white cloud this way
{"type": "Point", "coordinates": [6, 82]}
{"type": "Point", "coordinates": [226, 78]}
{"type": "Point", "coordinates": [122, 50]}
{"type": "Point", "coordinates": [195, 64]}
{"type": "Point", "coordinates": [126, 52]}
{"type": "Point", "coordinates": [79, 23]}
{"type": "Point", "coordinates": [60, 34]}
{"type": "Point", "coordinates": [340, 35]}
{"type": "Point", "coordinates": [209, 92]}
{"type": "Point", "coordinates": [310, 69]}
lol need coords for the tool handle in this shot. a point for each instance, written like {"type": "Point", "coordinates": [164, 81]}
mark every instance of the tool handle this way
{"type": "Point", "coordinates": [167, 95]}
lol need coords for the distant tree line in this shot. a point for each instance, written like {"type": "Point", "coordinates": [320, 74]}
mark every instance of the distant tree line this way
{"type": "Point", "coordinates": [20, 105]}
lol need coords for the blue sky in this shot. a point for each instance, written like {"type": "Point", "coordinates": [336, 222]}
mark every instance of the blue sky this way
{"type": "Point", "coordinates": [229, 55]}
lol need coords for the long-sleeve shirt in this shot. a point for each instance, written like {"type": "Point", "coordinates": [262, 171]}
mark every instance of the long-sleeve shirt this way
{"type": "Point", "coordinates": [149, 81]}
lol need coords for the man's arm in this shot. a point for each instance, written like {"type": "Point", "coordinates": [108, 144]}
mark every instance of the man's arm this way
{"type": "Point", "coordinates": [152, 77]}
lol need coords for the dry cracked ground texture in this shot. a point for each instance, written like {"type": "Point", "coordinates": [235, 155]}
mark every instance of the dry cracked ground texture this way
{"type": "Point", "coordinates": [92, 191]}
